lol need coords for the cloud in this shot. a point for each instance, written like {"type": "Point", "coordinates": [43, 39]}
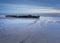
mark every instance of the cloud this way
{"type": "Point", "coordinates": [15, 8]}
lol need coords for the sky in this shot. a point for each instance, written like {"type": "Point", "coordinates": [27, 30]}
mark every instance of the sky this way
{"type": "Point", "coordinates": [29, 6]}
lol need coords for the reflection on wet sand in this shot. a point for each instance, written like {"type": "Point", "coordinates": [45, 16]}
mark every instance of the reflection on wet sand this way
{"type": "Point", "coordinates": [18, 31]}
{"type": "Point", "coordinates": [53, 21]}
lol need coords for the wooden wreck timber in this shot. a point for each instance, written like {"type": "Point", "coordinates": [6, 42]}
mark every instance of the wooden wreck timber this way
{"type": "Point", "coordinates": [22, 16]}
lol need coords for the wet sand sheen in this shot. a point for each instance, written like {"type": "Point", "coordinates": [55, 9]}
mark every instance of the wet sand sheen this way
{"type": "Point", "coordinates": [17, 31]}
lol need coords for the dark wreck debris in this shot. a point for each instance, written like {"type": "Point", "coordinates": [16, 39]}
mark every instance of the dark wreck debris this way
{"type": "Point", "coordinates": [22, 16]}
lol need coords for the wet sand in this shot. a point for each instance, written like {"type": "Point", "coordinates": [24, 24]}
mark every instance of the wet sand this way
{"type": "Point", "coordinates": [19, 31]}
